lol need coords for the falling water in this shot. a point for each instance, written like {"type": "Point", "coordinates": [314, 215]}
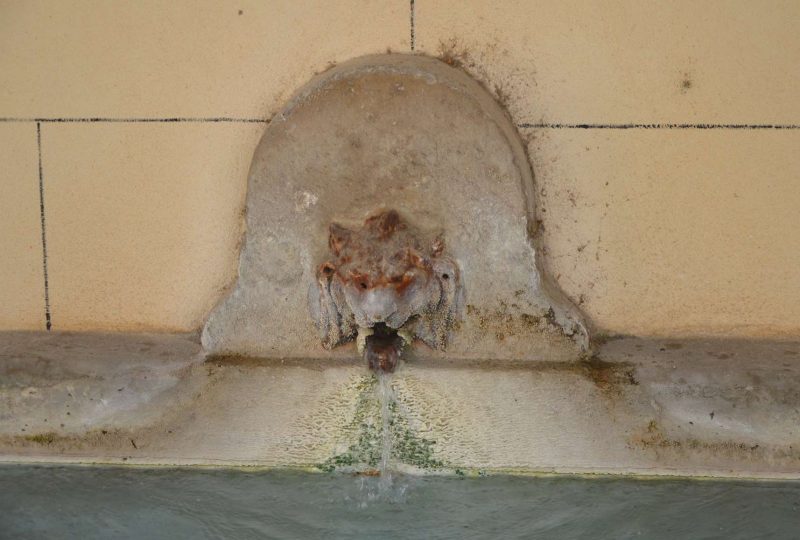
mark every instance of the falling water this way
{"type": "Point", "coordinates": [386, 487]}
{"type": "Point", "coordinates": [382, 349]}
{"type": "Point", "coordinates": [386, 397]}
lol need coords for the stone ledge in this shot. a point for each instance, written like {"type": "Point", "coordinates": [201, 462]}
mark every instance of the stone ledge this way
{"type": "Point", "coordinates": [688, 408]}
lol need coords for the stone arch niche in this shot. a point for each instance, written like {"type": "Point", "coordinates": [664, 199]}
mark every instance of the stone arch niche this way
{"type": "Point", "coordinates": [408, 133]}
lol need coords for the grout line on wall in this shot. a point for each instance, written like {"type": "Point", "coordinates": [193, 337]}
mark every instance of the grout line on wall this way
{"type": "Point", "coordinates": [47, 319]}
{"type": "Point", "coordinates": [524, 125]}
{"type": "Point", "coordinates": [176, 119]}
{"type": "Point", "coordinates": [658, 126]}
{"type": "Point", "coordinates": [413, 28]}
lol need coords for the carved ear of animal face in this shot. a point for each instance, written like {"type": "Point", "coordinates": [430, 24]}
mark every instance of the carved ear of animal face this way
{"type": "Point", "coordinates": [338, 238]}
{"type": "Point", "coordinates": [322, 307]}
{"type": "Point", "coordinates": [324, 299]}
{"type": "Point", "coordinates": [449, 304]}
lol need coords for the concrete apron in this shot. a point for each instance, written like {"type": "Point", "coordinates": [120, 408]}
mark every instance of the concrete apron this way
{"type": "Point", "coordinates": [699, 408]}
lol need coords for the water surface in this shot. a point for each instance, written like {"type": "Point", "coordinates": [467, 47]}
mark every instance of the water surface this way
{"type": "Point", "coordinates": [109, 502]}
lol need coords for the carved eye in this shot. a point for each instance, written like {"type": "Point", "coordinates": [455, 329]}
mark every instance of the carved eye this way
{"type": "Point", "coordinates": [363, 284]}
{"type": "Point", "coordinates": [327, 269]}
{"type": "Point", "coordinates": [445, 276]}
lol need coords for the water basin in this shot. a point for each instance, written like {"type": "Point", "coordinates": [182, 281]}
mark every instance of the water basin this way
{"type": "Point", "coordinates": [111, 502]}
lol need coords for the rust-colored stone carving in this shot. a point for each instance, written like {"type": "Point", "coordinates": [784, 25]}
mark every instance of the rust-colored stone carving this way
{"type": "Point", "coordinates": [385, 276]}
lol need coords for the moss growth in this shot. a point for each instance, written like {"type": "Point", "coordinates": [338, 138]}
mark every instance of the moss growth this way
{"type": "Point", "coordinates": [410, 448]}
{"type": "Point", "coordinates": [367, 427]}
{"type": "Point", "coordinates": [42, 438]}
{"type": "Point", "coordinates": [609, 377]}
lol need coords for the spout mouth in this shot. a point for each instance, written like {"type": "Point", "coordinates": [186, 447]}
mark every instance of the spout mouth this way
{"type": "Point", "coordinates": [383, 348]}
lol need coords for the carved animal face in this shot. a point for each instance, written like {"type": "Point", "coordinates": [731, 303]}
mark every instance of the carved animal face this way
{"type": "Point", "coordinates": [384, 273]}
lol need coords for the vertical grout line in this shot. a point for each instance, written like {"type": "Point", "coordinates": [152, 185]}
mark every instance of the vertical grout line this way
{"type": "Point", "coordinates": [44, 235]}
{"type": "Point", "coordinates": [412, 17]}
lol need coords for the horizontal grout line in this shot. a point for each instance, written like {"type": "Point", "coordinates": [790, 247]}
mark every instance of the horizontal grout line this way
{"type": "Point", "coordinates": [176, 119]}
{"type": "Point", "coordinates": [659, 126]}
{"type": "Point", "coordinates": [543, 125]}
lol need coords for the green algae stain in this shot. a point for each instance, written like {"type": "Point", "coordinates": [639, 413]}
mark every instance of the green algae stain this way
{"type": "Point", "coordinates": [365, 427]}
{"type": "Point", "coordinates": [408, 447]}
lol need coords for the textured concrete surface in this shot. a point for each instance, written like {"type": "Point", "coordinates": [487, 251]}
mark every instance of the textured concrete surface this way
{"type": "Point", "coordinates": [624, 61]}
{"type": "Point", "coordinates": [21, 278]}
{"type": "Point", "coordinates": [188, 211]}
{"type": "Point", "coordinates": [183, 58]}
{"type": "Point", "coordinates": [414, 135]}
{"type": "Point", "coordinates": [673, 234]}
{"type": "Point", "coordinates": [719, 408]}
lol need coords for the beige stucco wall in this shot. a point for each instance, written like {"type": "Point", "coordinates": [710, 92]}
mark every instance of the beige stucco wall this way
{"type": "Point", "coordinates": [666, 231]}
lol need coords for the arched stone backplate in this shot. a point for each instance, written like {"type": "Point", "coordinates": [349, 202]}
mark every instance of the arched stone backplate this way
{"type": "Point", "coordinates": [413, 134]}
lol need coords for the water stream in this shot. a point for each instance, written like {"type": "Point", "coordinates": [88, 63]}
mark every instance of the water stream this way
{"type": "Point", "coordinates": [387, 486]}
{"type": "Point", "coordinates": [387, 398]}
